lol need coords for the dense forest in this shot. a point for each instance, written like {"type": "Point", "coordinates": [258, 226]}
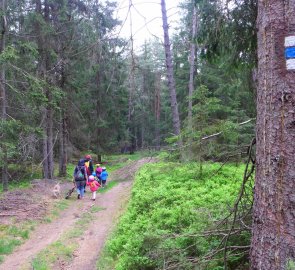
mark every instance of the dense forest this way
{"type": "Point", "coordinates": [70, 84]}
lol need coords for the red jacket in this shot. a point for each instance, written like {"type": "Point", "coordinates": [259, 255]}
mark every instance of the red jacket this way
{"type": "Point", "coordinates": [94, 185]}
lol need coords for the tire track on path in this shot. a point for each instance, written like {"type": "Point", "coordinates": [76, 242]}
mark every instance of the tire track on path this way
{"type": "Point", "coordinates": [93, 239]}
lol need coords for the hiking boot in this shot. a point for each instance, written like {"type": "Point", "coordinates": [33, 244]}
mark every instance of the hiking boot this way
{"type": "Point", "coordinates": [78, 196]}
{"type": "Point", "coordinates": [93, 199]}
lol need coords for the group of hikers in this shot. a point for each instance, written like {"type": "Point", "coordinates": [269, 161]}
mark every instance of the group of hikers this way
{"type": "Point", "coordinates": [86, 175]}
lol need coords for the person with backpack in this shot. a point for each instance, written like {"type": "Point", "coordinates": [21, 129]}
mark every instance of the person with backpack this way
{"type": "Point", "coordinates": [80, 178]}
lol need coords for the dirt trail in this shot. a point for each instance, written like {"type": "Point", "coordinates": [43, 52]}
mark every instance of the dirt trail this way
{"type": "Point", "coordinates": [93, 239]}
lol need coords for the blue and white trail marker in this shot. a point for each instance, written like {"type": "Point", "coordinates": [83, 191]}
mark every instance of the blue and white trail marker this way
{"type": "Point", "coordinates": [290, 52]}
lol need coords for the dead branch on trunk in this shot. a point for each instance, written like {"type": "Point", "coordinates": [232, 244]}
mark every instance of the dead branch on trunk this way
{"type": "Point", "coordinates": [247, 175]}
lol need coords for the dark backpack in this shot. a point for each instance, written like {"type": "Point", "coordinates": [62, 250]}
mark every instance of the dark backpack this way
{"type": "Point", "coordinates": [79, 175]}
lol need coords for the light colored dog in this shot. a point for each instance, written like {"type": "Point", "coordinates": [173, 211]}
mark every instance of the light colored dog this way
{"type": "Point", "coordinates": [56, 190]}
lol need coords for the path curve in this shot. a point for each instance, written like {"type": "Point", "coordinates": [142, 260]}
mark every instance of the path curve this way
{"type": "Point", "coordinates": [44, 235]}
{"type": "Point", "coordinates": [113, 202]}
{"type": "Point", "coordinates": [94, 238]}
{"type": "Point", "coordinates": [90, 245]}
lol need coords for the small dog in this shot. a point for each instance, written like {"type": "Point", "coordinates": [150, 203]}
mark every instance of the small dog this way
{"type": "Point", "coordinates": [56, 190]}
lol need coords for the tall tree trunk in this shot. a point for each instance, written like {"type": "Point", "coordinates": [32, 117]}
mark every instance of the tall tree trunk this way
{"type": "Point", "coordinates": [170, 75]}
{"type": "Point", "coordinates": [192, 68]}
{"type": "Point", "coordinates": [273, 231]}
{"type": "Point", "coordinates": [62, 145]}
{"type": "Point", "coordinates": [3, 92]}
{"type": "Point", "coordinates": [130, 102]}
{"type": "Point", "coordinates": [131, 127]}
{"type": "Point", "coordinates": [47, 117]}
{"type": "Point", "coordinates": [50, 140]}
{"type": "Point", "coordinates": [44, 146]}
{"type": "Point", "coordinates": [63, 157]}
{"type": "Point", "coordinates": [142, 144]}
{"type": "Point", "coordinates": [158, 109]}
{"type": "Point", "coordinates": [98, 131]}
{"type": "Point", "coordinates": [48, 163]}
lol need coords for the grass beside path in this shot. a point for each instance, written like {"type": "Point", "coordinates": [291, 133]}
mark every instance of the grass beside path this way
{"type": "Point", "coordinates": [14, 235]}
{"type": "Point", "coordinates": [171, 206]}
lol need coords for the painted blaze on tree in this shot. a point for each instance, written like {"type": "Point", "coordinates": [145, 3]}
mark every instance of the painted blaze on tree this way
{"type": "Point", "coordinates": [273, 232]}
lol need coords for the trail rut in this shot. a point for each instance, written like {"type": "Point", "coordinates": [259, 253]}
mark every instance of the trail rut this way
{"type": "Point", "coordinates": [93, 238]}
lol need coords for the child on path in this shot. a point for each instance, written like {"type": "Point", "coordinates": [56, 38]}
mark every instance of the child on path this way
{"type": "Point", "coordinates": [98, 172]}
{"type": "Point", "coordinates": [104, 175]}
{"type": "Point", "coordinates": [95, 177]}
{"type": "Point", "coordinates": [94, 185]}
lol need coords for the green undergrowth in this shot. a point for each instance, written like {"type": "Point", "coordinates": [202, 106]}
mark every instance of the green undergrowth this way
{"type": "Point", "coordinates": [290, 265]}
{"type": "Point", "coordinates": [63, 249]}
{"type": "Point", "coordinates": [21, 176]}
{"type": "Point", "coordinates": [70, 171]}
{"type": "Point", "coordinates": [56, 210]}
{"type": "Point", "coordinates": [170, 207]}
{"type": "Point", "coordinates": [12, 236]}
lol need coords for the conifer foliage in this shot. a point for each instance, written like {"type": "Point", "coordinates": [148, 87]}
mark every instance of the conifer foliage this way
{"type": "Point", "coordinates": [65, 83]}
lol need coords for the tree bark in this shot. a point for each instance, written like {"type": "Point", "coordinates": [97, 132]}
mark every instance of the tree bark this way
{"type": "Point", "coordinates": [62, 145]}
{"type": "Point", "coordinates": [44, 146]}
{"type": "Point", "coordinates": [50, 140]}
{"type": "Point", "coordinates": [273, 232]}
{"type": "Point", "coordinates": [192, 69]}
{"type": "Point", "coordinates": [3, 92]}
{"type": "Point", "coordinates": [170, 75]}
{"type": "Point", "coordinates": [98, 129]}
{"type": "Point", "coordinates": [47, 117]}
{"type": "Point", "coordinates": [98, 105]}
{"type": "Point", "coordinates": [158, 109]}
{"type": "Point", "coordinates": [63, 138]}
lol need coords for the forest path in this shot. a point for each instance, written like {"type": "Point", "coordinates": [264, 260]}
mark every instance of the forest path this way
{"type": "Point", "coordinates": [93, 238]}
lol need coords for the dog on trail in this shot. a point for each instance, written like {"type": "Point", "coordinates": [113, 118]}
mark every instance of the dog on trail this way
{"type": "Point", "coordinates": [56, 190]}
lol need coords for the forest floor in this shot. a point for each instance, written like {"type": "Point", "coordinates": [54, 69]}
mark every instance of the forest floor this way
{"type": "Point", "coordinates": [35, 203]}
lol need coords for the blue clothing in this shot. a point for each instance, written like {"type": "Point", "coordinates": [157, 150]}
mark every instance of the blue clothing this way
{"type": "Point", "coordinates": [80, 188]}
{"type": "Point", "coordinates": [104, 175]}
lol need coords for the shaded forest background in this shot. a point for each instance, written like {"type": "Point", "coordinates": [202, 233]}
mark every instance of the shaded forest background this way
{"type": "Point", "coordinates": [69, 84]}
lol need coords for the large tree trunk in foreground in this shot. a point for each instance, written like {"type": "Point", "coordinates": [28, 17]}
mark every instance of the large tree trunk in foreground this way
{"type": "Point", "coordinates": [3, 98]}
{"type": "Point", "coordinates": [171, 81]}
{"type": "Point", "coordinates": [273, 233]}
